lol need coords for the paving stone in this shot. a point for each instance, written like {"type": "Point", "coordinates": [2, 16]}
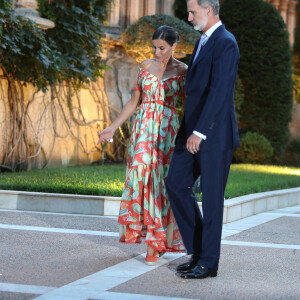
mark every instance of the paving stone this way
{"type": "Point", "coordinates": [244, 273]}
{"type": "Point", "coordinates": [284, 230]}
{"type": "Point", "coordinates": [60, 221]}
{"type": "Point", "coordinates": [16, 296]}
{"type": "Point", "coordinates": [56, 259]}
{"type": "Point", "coordinates": [51, 259]}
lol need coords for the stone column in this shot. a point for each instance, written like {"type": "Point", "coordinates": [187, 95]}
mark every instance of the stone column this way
{"type": "Point", "coordinates": [291, 19]}
{"type": "Point", "coordinates": [150, 7]}
{"type": "Point", "coordinates": [283, 9]}
{"type": "Point", "coordinates": [159, 6]}
{"type": "Point", "coordinates": [114, 14]}
{"type": "Point", "coordinates": [134, 11]}
{"type": "Point", "coordinates": [275, 3]}
{"type": "Point", "coordinates": [168, 7]}
{"type": "Point", "coordinates": [123, 14]}
{"type": "Point", "coordinates": [141, 8]}
{"type": "Point", "coordinates": [28, 9]}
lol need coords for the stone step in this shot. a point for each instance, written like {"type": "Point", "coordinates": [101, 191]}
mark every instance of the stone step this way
{"type": "Point", "coordinates": [234, 209]}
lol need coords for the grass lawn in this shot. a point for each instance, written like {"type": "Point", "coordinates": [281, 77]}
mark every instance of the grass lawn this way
{"type": "Point", "coordinates": [108, 180]}
{"type": "Point", "coordinates": [249, 179]}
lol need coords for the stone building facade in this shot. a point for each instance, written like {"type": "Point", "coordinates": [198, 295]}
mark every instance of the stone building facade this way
{"type": "Point", "coordinates": [287, 10]}
{"type": "Point", "coordinates": [125, 12]}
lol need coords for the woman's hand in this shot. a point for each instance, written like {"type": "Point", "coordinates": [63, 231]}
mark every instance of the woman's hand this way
{"type": "Point", "coordinates": [106, 135]}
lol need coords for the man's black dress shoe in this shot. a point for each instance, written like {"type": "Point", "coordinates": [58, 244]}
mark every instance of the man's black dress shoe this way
{"type": "Point", "coordinates": [189, 265]}
{"type": "Point", "coordinates": [199, 272]}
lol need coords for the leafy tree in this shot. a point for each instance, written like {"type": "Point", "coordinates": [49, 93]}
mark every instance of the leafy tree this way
{"type": "Point", "coordinates": [76, 37]}
{"type": "Point", "coordinates": [68, 53]}
{"type": "Point", "coordinates": [265, 68]}
{"type": "Point", "coordinates": [24, 52]}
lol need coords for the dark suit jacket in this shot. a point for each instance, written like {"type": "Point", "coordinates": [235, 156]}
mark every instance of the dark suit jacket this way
{"type": "Point", "coordinates": [210, 83]}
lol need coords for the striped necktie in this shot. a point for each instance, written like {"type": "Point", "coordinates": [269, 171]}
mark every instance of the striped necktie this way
{"type": "Point", "coordinates": [202, 42]}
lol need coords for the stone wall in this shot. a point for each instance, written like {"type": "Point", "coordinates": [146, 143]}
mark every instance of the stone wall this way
{"type": "Point", "coordinates": [55, 134]}
{"type": "Point", "coordinates": [69, 137]}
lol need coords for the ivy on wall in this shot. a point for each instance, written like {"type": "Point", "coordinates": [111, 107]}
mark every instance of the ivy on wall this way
{"type": "Point", "coordinates": [25, 54]}
{"type": "Point", "coordinates": [69, 52]}
{"type": "Point", "coordinates": [76, 37]}
{"type": "Point", "coordinates": [57, 60]}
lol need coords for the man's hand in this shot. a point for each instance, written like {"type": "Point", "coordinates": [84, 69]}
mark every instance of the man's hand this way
{"type": "Point", "coordinates": [193, 143]}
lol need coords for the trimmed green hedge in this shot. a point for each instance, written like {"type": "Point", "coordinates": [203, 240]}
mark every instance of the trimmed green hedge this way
{"type": "Point", "coordinates": [239, 96]}
{"type": "Point", "coordinates": [292, 153]}
{"type": "Point", "coordinates": [180, 10]}
{"type": "Point", "coordinates": [265, 68]}
{"type": "Point", "coordinates": [296, 57]}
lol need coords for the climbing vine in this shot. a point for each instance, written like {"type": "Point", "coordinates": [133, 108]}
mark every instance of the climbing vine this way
{"type": "Point", "coordinates": [56, 62]}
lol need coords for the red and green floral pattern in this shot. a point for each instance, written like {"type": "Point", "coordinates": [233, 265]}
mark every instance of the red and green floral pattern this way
{"type": "Point", "coordinates": [145, 211]}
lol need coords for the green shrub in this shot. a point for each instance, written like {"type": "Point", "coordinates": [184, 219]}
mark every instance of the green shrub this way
{"type": "Point", "coordinates": [137, 37]}
{"type": "Point", "coordinates": [255, 148]}
{"type": "Point", "coordinates": [265, 68]}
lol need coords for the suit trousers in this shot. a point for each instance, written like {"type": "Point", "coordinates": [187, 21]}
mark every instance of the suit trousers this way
{"type": "Point", "coordinates": [201, 234]}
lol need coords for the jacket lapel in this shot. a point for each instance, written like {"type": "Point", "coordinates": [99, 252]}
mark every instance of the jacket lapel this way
{"type": "Point", "coordinates": [193, 54]}
{"type": "Point", "coordinates": [206, 48]}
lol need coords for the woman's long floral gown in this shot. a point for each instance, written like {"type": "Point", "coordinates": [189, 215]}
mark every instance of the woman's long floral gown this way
{"type": "Point", "coordinates": [145, 210]}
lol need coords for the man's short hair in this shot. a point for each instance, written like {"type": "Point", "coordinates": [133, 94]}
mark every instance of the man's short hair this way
{"type": "Point", "coordinates": [213, 3]}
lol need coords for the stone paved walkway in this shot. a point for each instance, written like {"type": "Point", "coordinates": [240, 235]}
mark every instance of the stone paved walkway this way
{"type": "Point", "coordinates": [63, 256]}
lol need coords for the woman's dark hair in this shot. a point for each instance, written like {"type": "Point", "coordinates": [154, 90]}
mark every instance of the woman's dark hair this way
{"type": "Point", "coordinates": [167, 34]}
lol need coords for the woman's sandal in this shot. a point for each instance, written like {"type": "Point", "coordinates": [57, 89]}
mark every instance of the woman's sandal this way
{"type": "Point", "coordinates": [151, 260]}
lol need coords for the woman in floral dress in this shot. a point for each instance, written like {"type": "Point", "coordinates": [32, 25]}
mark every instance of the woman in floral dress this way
{"type": "Point", "coordinates": [145, 211]}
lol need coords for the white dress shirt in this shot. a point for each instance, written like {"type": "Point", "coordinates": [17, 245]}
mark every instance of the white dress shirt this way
{"type": "Point", "coordinates": [208, 33]}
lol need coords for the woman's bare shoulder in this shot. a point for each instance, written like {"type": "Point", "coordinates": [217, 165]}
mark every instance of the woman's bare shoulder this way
{"type": "Point", "coordinates": [146, 64]}
{"type": "Point", "coordinates": [181, 67]}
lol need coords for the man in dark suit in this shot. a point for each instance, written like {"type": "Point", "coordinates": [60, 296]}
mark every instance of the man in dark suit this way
{"type": "Point", "coordinates": [205, 141]}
